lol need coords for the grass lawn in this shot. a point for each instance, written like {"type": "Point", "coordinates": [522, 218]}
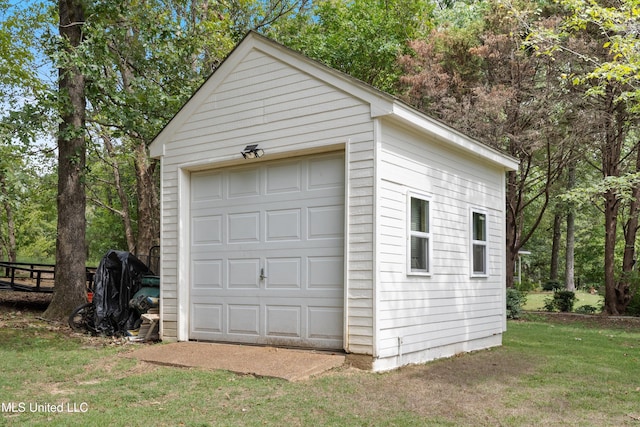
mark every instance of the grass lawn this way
{"type": "Point", "coordinates": [535, 300]}
{"type": "Point", "coordinates": [550, 371]}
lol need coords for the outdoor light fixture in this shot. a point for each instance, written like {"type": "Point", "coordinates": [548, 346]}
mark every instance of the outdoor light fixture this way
{"type": "Point", "coordinates": [252, 152]}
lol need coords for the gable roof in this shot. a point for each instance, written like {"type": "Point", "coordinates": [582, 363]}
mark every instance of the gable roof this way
{"type": "Point", "coordinates": [382, 104]}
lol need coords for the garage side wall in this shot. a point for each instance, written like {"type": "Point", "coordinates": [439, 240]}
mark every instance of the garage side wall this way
{"type": "Point", "coordinates": [448, 309]}
{"type": "Point", "coordinates": [264, 100]}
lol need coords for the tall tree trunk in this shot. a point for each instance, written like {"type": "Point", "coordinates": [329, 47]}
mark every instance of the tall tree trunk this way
{"type": "Point", "coordinates": [623, 289]}
{"type": "Point", "coordinates": [71, 254]}
{"type": "Point", "coordinates": [11, 226]}
{"type": "Point", "coordinates": [146, 190]}
{"type": "Point", "coordinates": [122, 195]}
{"type": "Point", "coordinates": [555, 247]}
{"type": "Point", "coordinates": [569, 282]}
{"type": "Point", "coordinates": [610, 225]}
{"type": "Point", "coordinates": [513, 228]}
{"type": "Point", "coordinates": [611, 154]}
{"type": "Point", "coordinates": [148, 202]}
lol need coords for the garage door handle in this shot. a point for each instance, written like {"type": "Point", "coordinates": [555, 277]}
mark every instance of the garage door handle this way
{"type": "Point", "coordinates": [262, 276]}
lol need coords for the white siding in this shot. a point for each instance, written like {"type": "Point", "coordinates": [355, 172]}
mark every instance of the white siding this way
{"type": "Point", "coordinates": [419, 313]}
{"type": "Point", "coordinates": [267, 102]}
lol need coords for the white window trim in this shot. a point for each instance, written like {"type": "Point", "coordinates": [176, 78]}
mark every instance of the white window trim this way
{"type": "Point", "coordinates": [484, 243]}
{"type": "Point", "coordinates": [428, 235]}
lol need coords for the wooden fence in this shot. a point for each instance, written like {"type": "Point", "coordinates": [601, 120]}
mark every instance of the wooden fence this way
{"type": "Point", "coordinates": [32, 277]}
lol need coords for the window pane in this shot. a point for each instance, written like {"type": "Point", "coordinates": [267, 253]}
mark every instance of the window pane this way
{"type": "Point", "coordinates": [479, 259]}
{"type": "Point", "coordinates": [419, 251]}
{"type": "Point", "coordinates": [419, 215]}
{"type": "Point", "coordinates": [479, 226]}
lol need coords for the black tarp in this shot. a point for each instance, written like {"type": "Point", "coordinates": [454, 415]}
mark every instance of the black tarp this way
{"type": "Point", "coordinates": [117, 279]}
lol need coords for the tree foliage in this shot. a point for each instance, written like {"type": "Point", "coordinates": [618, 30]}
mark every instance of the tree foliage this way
{"type": "Point", "coordinates": [362, 38]}
{"type": "Point", "coordinates": [480, 80]}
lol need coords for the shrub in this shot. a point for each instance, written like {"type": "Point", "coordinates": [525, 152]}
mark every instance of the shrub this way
{"type": "Point", "coordinates": [633, 309]}
{"type": "Point", "coordinates": [515, 301]}
{"type": "Point", "coordinates": [564, 300]}
{"type": "Point", "coordinates": [549, 304]}
{"type": "Point", "coordinates": [551, 285]}
{"type": "Point", "coordinates": [561, 301]}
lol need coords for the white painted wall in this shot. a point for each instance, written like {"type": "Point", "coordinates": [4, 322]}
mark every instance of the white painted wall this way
{"type": "Point", "coordinates": [416, 315]}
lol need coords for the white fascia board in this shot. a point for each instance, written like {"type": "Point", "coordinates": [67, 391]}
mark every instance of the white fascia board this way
{"type": "Point", "coordinates": [453, 137]}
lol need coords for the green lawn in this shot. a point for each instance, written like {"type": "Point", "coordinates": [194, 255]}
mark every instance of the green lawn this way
{"type": "Point", "coordinates": [546, 373]}
{"type": "Point", "coordinates": [535, 300]}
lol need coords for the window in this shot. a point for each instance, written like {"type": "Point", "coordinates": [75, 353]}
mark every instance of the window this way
{"type": "Point", "coordinates": [419, 236]}
{"type": "Point", "coordinates": [479, 243]}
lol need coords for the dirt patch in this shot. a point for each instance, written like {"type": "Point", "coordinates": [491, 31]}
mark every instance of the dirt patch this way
{"type": "Point", "coordinates": [469, 386]}
{"type": "Point", "coordinates": [24, 301]}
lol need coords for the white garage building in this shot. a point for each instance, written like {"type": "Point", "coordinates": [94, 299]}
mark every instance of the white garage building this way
{"type": "Point", "coordinates": [301, 207]}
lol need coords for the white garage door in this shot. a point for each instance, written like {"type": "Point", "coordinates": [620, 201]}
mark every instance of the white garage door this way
{"type": "Point", "coordinates": [267, 253]}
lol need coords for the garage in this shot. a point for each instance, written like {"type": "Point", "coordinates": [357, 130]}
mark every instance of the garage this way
{"type": "Point", "coordinates": [301, 207]}
{"type": "Point", "coordinates": [266, 253]}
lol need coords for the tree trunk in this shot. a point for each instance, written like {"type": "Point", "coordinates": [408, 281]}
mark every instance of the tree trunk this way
{"type": "Point", "coordinates": [11, 226]}
{"type": "Point", "coordinates": [610, 221]}
{"type": "Point", "coordinates": [513, 230]}
{"type": "Point", "coordinates": [146, 190]}
{"type": "Point", "coordinates": [70, 280]}
{"type": "Point", "coordinates": [555, 247]}
{"type": "Point", "coordinates": [122, 195]}
{"type": "Point", "coordinates": [611, 154]}
{"type": "Point", "coordinates": [148, 203]}
{"type": "Point", "coordinates": [623, 289]}
{"type": "Point", "coordinates": [569, 282]}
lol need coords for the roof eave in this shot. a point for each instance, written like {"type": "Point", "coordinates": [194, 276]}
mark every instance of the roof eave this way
{"type": "Point", "coordinates": [452, 137]}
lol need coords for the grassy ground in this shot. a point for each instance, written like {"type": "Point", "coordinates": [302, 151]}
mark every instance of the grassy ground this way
{"type": "Point", "coordinates": [535, 300]}
{"type": "Point", "coordinates": [552, 370]}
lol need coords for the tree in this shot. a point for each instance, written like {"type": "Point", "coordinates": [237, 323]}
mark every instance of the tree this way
{"type": "Point", "coordinates": [71, 276]}
{"type": "Point", "coordinates": [480, 80]}
{"type": "Point", "coordinates": [609, 80]}
{"type": "Point", "coordinates": [362, 38]}
{"type": "Point", "coordinates": [18, 123]}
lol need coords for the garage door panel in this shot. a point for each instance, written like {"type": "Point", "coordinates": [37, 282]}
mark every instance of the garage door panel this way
{"type": "Point", "coordinates": [243, 183]}
{"type": "Point", "coordinates": [207, 274]}
{"type": "Point", "coordinates": [325, 322]}
{"type": "Point", "coordinates": [283, 224]}
{"type": "Point", "coordinates": [207, 230]}
{"type": "Point", "coordinates": [267, 253]}
{"type": "Point", "coordinates": [325, 222]}
{"type": "Point", "coordinates": [325, 173]}
{"type": "Point", "coordinates": [206, 187]}
{"type": "Point", "coordinates": [283, 273]}
{"type": "Point", "coordinates": [325, 272]}
{"type": "Point", "coordinates": [283, 178]}
{"type": "Point", "coordinates": [283, 321]}
{"type": "Point", "coordinates": [243, 319]}
{"type": "Point", "coordinates": [244, 227]}
{"type": "Point", "coordinates": [207, 318]}
{"type": "Point", "coordinates": [243, 273]}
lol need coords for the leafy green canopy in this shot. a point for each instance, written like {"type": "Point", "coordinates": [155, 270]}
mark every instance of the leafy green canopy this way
{"type": "Point", "coordinates": [362, 38]}
{"type": "Point", "coordinates": [616, 24]}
